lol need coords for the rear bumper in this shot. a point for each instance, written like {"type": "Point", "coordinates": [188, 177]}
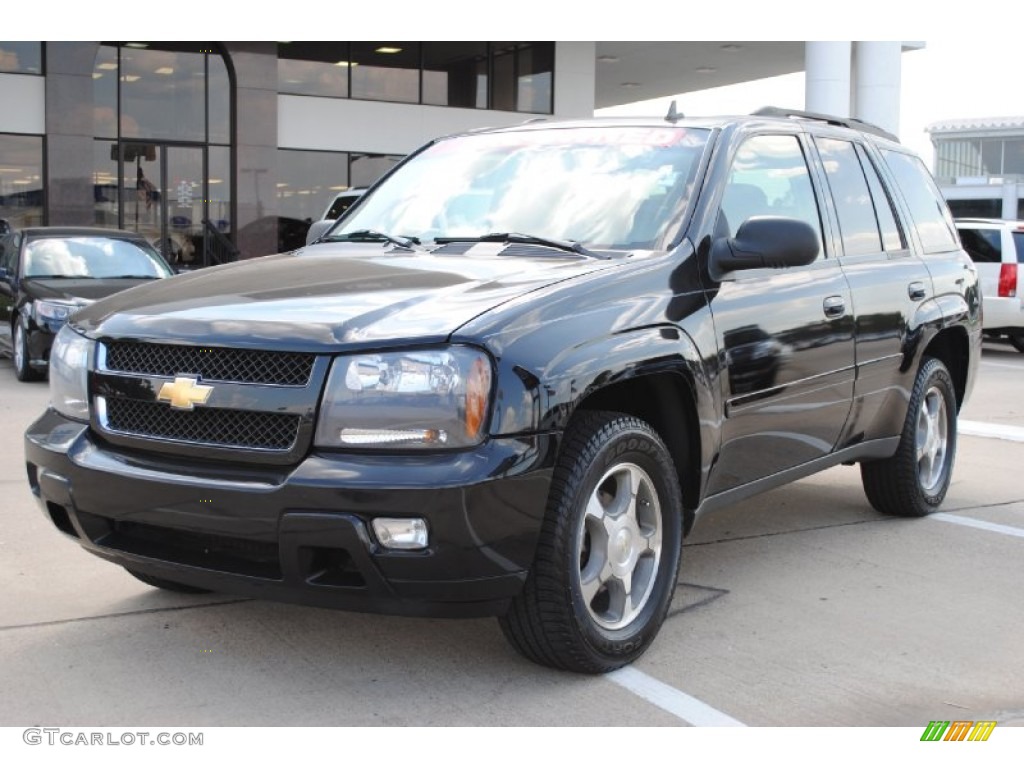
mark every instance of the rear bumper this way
{"type": "Point", "coordinates": [1003, 314]}
{"type": "Point", "coordinates": [304, 534]}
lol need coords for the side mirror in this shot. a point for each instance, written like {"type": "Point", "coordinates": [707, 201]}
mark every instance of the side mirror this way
{"type": "Point", "coordinates": [766, 241]}
{"type": "Point", "coordinates": [317, 229]}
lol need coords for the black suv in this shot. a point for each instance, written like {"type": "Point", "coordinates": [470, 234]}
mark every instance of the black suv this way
{"type": "Point", "coordinates": [511, 378]}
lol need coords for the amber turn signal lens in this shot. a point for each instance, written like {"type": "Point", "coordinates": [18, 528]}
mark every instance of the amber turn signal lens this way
{"type": "Point", "coordinates": [478, 388]}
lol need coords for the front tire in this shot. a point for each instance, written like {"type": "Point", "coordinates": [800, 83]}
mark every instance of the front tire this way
{"type": "Point", "coordinates": [23, 369]}
{"type": "Point", "coordinates": [609, 551]}
{"type": "Point", "coordinates": [914, 481]}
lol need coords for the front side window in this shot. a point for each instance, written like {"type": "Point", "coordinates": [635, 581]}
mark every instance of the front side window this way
{"type": "Point", "coordinates": [615, 188]}
{"type": "Point", "coordinates": [769, 177]}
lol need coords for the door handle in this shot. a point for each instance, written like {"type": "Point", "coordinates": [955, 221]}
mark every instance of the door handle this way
{"type": "Point", "coordinates": [916, 291]}
{"type": "Point", "coordinates": [834, 306]}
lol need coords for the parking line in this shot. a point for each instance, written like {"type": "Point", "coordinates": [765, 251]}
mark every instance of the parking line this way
{"type": "Point", "coordinates": [682, 705]}
{"type": "Point", "coordinates": [984, 429]}
{"type": "Point", "coordinates": [970, 522]}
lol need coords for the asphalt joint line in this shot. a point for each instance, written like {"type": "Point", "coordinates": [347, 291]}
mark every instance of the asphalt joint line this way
{"type": "Point", "coordinates": [140, 612]}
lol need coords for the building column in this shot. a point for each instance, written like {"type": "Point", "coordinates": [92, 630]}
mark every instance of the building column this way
{"type": "Point", "coordinates": [255, 139]}
{"type": "Point", "coordinates": [1011, 198]}
{"type": "Point", "coordinates": [69, 133]}
{"type": "Point", "coordinates": [878, 84]}
{"type": "Point", "coordinates": [827, 66]}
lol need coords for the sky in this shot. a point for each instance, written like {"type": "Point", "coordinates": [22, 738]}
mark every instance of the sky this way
{"type": "Point", "coordinates": [948, 79]}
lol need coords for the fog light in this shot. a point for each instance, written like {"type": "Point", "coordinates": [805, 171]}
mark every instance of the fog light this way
{"type": "Point", "coordinates": [401, 533]}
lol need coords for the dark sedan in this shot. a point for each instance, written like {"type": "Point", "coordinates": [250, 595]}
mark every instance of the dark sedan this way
{"type": "Point", "coordinates": [46, 273]}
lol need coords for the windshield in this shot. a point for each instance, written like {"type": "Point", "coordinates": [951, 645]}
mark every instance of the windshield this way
{"type": "Point", "coordinates": [607, 187]}
{"type": "Point", "coordinates": [95, 257]}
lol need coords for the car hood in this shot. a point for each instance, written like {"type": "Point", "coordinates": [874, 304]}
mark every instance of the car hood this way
{"type": "Point", "coordinates": [328, 296]}
{"type": "Point", "coordinates": [76, 291]}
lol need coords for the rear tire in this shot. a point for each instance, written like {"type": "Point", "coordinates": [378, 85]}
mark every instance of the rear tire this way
{"type": "Point", "coordinates": [914, 481]}
{"type": "Point", "coordinates": [606, 565]}
{"type": "Point", "coordinates": [170, 586]}
{"type": "Point", "coordinates": [1017, 339]}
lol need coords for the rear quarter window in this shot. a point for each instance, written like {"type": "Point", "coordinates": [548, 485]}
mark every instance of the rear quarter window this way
{"type": "Point", "coordinates": [930, 214]}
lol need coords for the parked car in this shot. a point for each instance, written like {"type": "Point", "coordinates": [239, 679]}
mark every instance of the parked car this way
{"type": "Point", "coordinates": [47, 273]}
{"type": "Point", "coordinates": [338, 207]}
{"type": "Point", "coordinates": [513, 377]}
{"type": "Point", "coordinates": [996, 246]}
{"type": "Point", "coordinates": [342, 202]}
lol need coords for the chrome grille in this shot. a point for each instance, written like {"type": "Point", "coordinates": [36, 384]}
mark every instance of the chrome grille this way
{"type": "Point", "coordinates": [223, 427]}
{"type": "Point", "coordinates": [247, 366]}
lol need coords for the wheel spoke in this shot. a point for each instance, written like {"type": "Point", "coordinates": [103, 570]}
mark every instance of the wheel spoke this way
{"type": "Point", "coordinates": [591, 584]}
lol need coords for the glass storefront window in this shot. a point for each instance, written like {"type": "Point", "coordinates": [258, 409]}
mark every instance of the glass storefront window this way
{"type": "Point", "coordinates": [218, 85]}
{"type": "Point", "coordinates": [514, 76]}
{"type": "Point", "coordinates": [313, 69]}
{"type": "Point", "coordinates": [163, 94]}
{"type": "Point", "coordinates": [21, 57]}
{"type": "Point", "coordinates": [523, 77]}
{"type": "Point", "coordinates": [21, 180]}
{"type": "Point", "coordinates": [364, 169]}
{"type": "Point", "coordinates": [308, 181]}
{"type": "Point", "coordinates": [455, 74]}
{"type": "Point", "coordinates": [386, 71]}
{"type": "Point", "coordinates": [105, 189]}
{"type": "Point", "coordinates": [104, 92]}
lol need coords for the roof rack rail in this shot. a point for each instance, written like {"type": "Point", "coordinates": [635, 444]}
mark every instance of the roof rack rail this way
{"type": "Point", "coordinates": [845, 122]}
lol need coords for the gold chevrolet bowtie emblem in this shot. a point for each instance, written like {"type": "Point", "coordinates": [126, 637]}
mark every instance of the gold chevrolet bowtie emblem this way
{"type": "Point", "coordinates": [184, 392]}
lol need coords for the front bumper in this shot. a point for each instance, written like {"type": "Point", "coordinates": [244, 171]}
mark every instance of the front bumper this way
{"type": "Point", "coordinates": [303, 534]}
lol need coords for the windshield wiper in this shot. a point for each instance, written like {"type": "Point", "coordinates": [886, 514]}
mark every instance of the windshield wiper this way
{"type": "Point", "coordinates": [409, 243]}
{"type": "Point", "coordinates": [572, 246]}
{"type": "Point", "coordinates": [131, 277]}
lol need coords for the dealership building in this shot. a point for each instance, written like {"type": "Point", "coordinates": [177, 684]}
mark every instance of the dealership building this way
{"type": "Point", "coordinates": [214, 149]}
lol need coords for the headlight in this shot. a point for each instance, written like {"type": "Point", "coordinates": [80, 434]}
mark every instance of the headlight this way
{"type": "Point", "coordinates": [52, 311]}
{"type": "Point", "coordinates": [428, 398]}
{"type": "Point", "coordinates": [70, 356]}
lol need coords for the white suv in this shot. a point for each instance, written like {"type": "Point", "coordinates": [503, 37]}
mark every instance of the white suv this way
{"type": "Point", "coordinates": [997, 248]}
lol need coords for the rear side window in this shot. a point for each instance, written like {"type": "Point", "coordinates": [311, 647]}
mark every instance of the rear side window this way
{"type": "Point", "coordinates": [931, 217]}
{"type": "Point", "coordinates": [983, 245]}
{"type": "Point", "coordinates": [850, 193]}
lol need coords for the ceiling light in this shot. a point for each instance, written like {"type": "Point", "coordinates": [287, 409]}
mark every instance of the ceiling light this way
{"type": "Point", "coordinates": [388, 49]}
{"type": "Point", "coordinates": [136, 45]}
{"type": "Point", "coordinates": [107, 65]}
{"type": "Point", "coordinates": [164, 71]}
{"type": "Point", "coordinates": [97, 75]}
{"type": "Point", "coordinates": [346, 63]}
{"type": "Point", "coordinates": [129, 78]}
{"type": "Point", "coordinates": [608, 59]}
